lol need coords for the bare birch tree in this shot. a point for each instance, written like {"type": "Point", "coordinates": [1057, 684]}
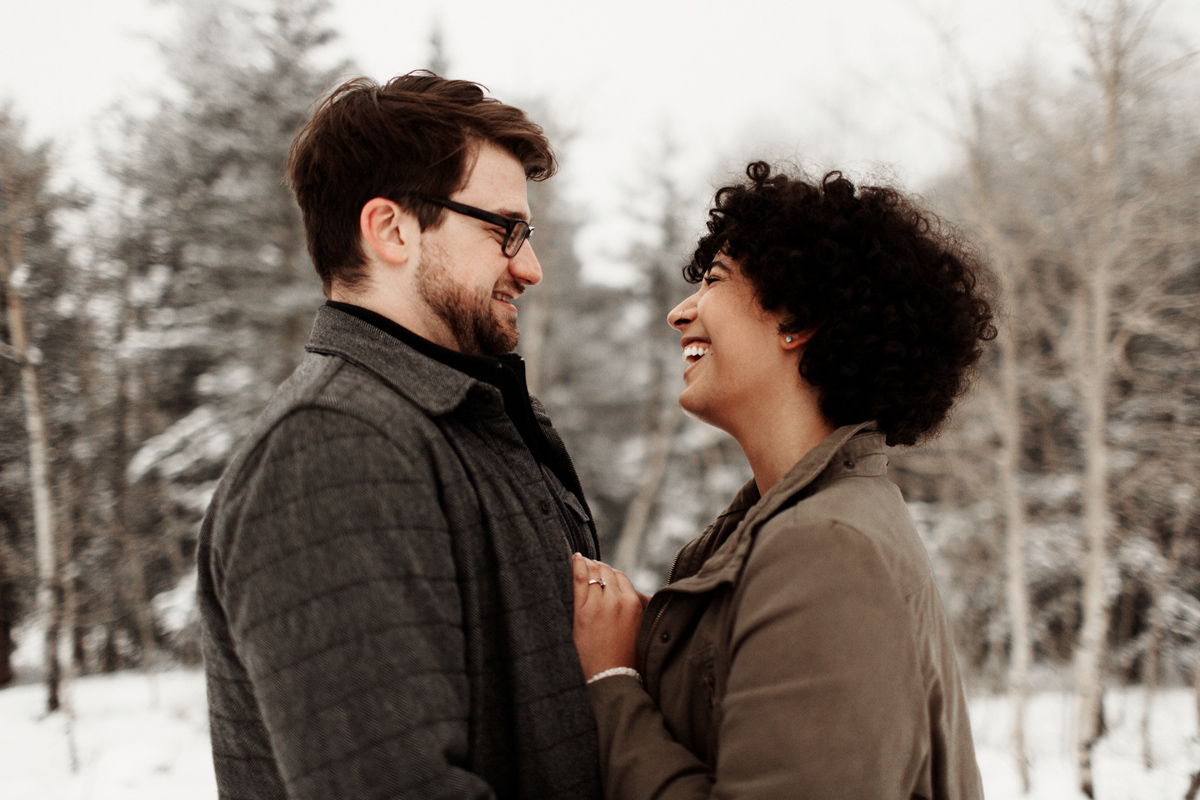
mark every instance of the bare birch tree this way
{"type": "Point", "coordinates": [1006, 408]}
{"type": "Point", "coordinates": [1083, 193]}
{"type": "Point", "coordinates": [17, 183]}
{"type": "Point", "coordinates": [1111, 43]}
{"type": "Point", "coordinates": [662, 265]}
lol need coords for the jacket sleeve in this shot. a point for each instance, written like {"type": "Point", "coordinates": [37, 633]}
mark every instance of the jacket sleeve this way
{"type": "Point", "coordinates": [639, 759]}
{"type": "Point", "coordinates": [824, 694]}
{"type": "Point", "coordinates": [338, 584]}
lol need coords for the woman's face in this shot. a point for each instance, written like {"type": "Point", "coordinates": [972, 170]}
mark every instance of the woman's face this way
{"type": "Point", "coordinates": [734, 353]}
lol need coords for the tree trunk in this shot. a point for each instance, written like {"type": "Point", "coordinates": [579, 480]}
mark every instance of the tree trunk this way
{"type": "Point", "coordinates": [134, 586]}
{"type": "Point", "coordinates": [53, 667]}
{"type": "Point", "coordinates": [662, 408]}
{"type": "Point", "coordinates": [1095, 524]}
{"type": "Point", "coordinates": [1093, 380]}
{"type": "Point", "coordinates": [1158, 591]}
{"type": "Point", "coordinates": [6, 624]}
{"type": "Point", "coordinates": [69, 621]}
{"type": "Point", "coordinates": [1162, 580]}
{"type": "Point", "coordinates": [1008, 461]}
{"type": "Point", "coordinates": [39, 468]}
{"type": "Point", "coordinates": [637, 518]}
{"type": "Point", "coordinates": [1195, 785]}
{"type": "Point", "coordinates": [1016, 592]}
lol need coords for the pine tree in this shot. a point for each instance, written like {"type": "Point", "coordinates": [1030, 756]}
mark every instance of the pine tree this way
{"type": "Point", "coordinates": [217, 292]}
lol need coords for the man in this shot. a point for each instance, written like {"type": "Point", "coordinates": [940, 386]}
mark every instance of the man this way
{"type": "Point", "coordinates": [385, 582]}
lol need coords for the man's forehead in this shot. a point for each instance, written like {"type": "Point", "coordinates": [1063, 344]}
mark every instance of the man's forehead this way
{"type": "Point", "coordinates": [495, 179]}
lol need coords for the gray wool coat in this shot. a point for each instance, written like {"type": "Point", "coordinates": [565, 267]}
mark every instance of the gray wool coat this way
{"type": "Point", "coordinates": [385, 591]}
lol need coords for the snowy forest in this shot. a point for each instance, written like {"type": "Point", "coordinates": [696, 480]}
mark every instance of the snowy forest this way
{"type": "Point", "coordinates": [1061, 507]}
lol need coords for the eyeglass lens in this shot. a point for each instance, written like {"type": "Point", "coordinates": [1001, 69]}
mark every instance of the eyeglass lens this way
{"type": "Point", "coordinates": [516, 237]}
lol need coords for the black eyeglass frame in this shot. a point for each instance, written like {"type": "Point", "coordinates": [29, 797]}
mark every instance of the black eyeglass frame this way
{"type": "Point", "coordinates": [515, 230]}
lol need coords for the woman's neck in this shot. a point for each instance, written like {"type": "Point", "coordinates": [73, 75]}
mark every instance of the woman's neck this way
{"type": "Point", "coordinates": [777, 435]}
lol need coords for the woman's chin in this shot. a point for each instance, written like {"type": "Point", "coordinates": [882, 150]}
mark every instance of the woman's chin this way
{"type": "Point", "coordinates": [696, 408]}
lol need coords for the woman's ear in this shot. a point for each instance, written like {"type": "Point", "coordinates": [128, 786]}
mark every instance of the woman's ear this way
{"type": "Point", "coordinates": [389, 232]}
{"type": "Point", "coordinates": [791, 341]}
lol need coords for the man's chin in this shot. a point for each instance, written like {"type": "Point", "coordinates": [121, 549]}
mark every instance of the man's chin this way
{"type": "Point", "coordinates": [497, 340]}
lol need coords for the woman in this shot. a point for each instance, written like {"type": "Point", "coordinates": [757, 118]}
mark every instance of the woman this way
{"type": "Point", "coordinates": [800, 648]}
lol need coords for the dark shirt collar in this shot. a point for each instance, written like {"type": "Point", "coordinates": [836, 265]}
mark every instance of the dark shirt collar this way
{"type": "Point", "coordinates": [483, 368]}
{"type": "Point", "coordinates": [506, 373]}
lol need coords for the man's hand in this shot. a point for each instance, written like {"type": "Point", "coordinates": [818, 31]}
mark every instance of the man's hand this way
{"type": "Point", "coordinates": [607, 616]}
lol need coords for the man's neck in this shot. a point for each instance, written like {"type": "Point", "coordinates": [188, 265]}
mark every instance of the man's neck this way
{"type": "Point", "coordinates": [403, 314]}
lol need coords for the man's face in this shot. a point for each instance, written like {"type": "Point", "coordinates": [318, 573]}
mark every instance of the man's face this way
{"type": "Point", "coordinates": [464, 279]}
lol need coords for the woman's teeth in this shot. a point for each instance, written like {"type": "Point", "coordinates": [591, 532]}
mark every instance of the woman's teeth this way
{"type": "Point", "coordinates": [694, 351]}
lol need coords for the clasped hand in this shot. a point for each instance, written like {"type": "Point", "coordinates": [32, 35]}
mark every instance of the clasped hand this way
{"type": "Point", "coordinates": [608, 616]}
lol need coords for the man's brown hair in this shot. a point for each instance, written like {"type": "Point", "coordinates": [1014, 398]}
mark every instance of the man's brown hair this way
{"type": "Point", "coordinates": [408, 139]}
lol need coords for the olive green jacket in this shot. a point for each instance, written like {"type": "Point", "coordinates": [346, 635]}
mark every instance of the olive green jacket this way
{"type": "Point", "coordinates": [799, 650]}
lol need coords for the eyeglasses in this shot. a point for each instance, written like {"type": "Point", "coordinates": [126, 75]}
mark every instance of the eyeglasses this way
{"type": "Point", "coordinates": [516, 231]}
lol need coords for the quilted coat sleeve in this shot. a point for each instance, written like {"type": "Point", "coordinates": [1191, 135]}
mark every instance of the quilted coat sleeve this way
{"type": "Point", "coordinates": [336, 576]}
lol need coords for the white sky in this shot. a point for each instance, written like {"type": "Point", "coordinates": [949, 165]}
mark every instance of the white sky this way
{"type": "Point", "coordinates": [857, 83]}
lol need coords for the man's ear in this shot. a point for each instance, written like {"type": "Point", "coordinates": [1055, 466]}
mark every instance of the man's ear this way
{"type": "Point", "coordinates": [388, 231]}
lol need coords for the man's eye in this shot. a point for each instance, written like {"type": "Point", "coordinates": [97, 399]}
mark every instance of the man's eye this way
{"type": "Point", "coordinates": [709, 280]}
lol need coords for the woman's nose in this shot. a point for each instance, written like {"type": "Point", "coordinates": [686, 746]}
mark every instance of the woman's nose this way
{"type": "Point", "coordinates": [683, 313]}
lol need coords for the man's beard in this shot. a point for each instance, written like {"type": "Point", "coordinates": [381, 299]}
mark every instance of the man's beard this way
{"type": "Point", "coordinates": [471, 320]}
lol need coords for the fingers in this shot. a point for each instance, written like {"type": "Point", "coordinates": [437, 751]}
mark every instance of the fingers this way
{"type": "Point", "coordinates": [607, 616]}
{"type": "Point", "coordinates": [582, 571]}
{"type": "Point", "coordinates": [607, 574]}
{"type": "Point", "coordinates": [624, 585]}
{"type": "Point", "coordinates": [595, 580]}
{"type": "Point", "coordinates": [613, 581]}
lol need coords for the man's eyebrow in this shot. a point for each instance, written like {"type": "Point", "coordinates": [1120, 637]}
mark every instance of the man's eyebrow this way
{"type": "Point", "coordinates": [514, 214]}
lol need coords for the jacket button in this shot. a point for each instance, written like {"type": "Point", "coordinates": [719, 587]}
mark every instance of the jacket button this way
{"type": "Point", "coordinates": [545, 507]}
{"type": "Point", "coordinates": [666, 637]}
{"type": "Point", "coordinates": [848, 464]}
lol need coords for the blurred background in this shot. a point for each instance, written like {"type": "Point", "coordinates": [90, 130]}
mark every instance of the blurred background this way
{"type": "Point", "coordinates": [154, 289]}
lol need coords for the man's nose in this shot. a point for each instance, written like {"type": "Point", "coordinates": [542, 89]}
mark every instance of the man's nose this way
{"type": "Point", "coordinates": [524, 266]}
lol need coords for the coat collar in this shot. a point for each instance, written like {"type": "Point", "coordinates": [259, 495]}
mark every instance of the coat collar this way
{"type": "Point", "coordinates": [431, 385]}
{"type": "Point", "coordinates": [849, 450]}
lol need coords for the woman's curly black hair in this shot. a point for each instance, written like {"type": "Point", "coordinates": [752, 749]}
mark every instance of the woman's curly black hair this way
{"type": "Point", "coordinates": [899, 300]}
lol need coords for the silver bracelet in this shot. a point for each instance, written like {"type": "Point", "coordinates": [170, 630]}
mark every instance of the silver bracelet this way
{"type": "Point", "coordinates": [608, 673]}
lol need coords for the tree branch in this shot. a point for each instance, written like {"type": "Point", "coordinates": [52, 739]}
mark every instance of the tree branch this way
{"type": "Point", "coordinates": [11, 353]}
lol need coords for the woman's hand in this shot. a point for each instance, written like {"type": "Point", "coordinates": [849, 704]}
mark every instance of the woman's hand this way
{"type": "Point", "coordinates": [607, 616]}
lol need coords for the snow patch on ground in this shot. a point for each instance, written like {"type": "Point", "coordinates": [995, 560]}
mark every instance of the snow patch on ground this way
{"type": "Point", "coordinates": [144, 736]}
{"type": "Point", "coordinates": [1118, 769]}
{"type": "Point", "coordinates": [137, 736]}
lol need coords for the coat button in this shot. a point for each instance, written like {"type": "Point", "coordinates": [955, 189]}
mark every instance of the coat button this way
{"type": "Point", "coordinates": [666, 637]}
{"type": "Point", "coordinates": [545, 507]}
{"type": "Point", "coordinates": [848, 464]}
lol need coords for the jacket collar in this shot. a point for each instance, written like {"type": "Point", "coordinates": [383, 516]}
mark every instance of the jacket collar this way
{"type": "Point", "coordinates": [431, 385]}
{"type": "Point", "coordinates": [849, 450]}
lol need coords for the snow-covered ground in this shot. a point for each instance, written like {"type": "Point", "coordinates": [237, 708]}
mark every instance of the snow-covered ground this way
{"type": "Point", "coordinates": [1118, 770]}
{"type": "Point", "coordinates": [136, 736]}
{"type": "Point", "coordinates": [145, 737]}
